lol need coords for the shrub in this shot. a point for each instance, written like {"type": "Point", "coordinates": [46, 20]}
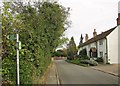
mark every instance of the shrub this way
{"type": "Point", "coordinates": [59, 53]}
{"type": "Point", "coordinates": [84, 57]}
{"type": "Point", "coordinates": [99, 59]}
{"type": "Point", "coordinates": [90, 62]}
{"type": "Point", "coordinates": [83, 52]}
{"type": "Point", "coordinates": [41, 28]}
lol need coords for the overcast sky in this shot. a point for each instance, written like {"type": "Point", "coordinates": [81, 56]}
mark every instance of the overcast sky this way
{"type": "Point", "coordinates": [87, 15]}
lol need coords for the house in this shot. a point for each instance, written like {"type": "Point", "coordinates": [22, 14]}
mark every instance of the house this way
{"type": "Point", "coordinates": [105, 45]}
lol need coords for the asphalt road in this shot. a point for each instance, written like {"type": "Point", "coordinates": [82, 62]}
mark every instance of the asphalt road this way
{"type": "Point", "coordinates": [74, 74]}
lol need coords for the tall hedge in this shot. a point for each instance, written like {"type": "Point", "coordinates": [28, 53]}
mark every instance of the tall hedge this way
{"type": "Point", "coordinates": [40, 27]}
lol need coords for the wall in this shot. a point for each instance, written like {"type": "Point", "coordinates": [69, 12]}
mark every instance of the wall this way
{"type": "Point", "coordinates": [112, 41]}
{"type": "Point", "coordinates": [101, 48]}
{"type": "Point", "coordinates": [119, 44]}
{"type": "Point", "coordinates": [91, 45]}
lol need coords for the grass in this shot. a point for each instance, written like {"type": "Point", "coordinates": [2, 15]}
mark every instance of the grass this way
{"type": "Point", "coordinates": [77, 62]}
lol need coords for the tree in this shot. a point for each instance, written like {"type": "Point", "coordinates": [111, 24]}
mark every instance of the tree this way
{"type": "Point", "coordinates": [71, 49]}
{"type": "Point", "coordinates": [41, 30]}
{"type": "Point", "coordinates": [60, 53]}
{"type": "Point", "coordinates": [81, 41]}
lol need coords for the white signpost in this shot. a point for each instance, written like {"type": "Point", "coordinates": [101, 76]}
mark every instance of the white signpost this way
{"type": "Point", "coordinates": [18, 46]}
{"type": "Point", "coordinates": [17, 49]}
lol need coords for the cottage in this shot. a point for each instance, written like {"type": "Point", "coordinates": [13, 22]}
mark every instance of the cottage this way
{"type": "Point", "coordinates": [105, 45]}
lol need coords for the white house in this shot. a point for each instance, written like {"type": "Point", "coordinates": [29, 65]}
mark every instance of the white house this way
{"type": "Point", "coordinates": [105, 45]}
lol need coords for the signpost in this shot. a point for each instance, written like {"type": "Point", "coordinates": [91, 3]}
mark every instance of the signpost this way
{"type": "Point", "coordinates": [18, 46]}
{"type": "Point", "coordinates": [17, 49]}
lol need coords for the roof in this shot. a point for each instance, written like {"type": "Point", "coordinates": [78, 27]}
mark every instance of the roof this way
{"type": "Point", "coordinates": [98, 37]}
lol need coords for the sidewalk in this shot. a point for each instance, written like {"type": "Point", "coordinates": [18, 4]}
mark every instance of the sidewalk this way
{"type": "Point", "coordinates": [52, 77]}
{"type": "Point", "coordinates": [109, 68]}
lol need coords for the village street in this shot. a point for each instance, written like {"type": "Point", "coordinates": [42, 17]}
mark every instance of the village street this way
{"type": "Point", "coordinates": [74, 74]}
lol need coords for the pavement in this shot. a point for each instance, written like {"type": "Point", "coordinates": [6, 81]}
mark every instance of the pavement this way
{"type": "Point", "coordinates": [113, 69]}
{"type": "Point", "coordinates": [52, 77]}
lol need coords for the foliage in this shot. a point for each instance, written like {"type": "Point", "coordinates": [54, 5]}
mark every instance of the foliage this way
{"type": "Point", "coordinates": [71, 49]}
{"type": "Point", "coordinates": [81, 41]}
{"type": "Point", "coordinates": [60, 53]}
{"type": "Point", "coordinates": [99, 59]}
{"type": "Point", "coordinates": [40, 27]}
{"type": "Point", "coordinates": [90, 62]}
{"type": "Point", "coordinates": [83, 54]}
{"type": "Point", "coordinates": [77, 61]}
{"type": "Point", "coordinates": [81, 62]}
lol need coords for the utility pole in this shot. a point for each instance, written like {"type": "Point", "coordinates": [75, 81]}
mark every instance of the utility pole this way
{"type": "Point", "coordinates": [17, 63]}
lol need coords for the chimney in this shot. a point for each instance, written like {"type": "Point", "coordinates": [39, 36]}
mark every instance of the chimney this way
{"type": "Point", "coordinates": [118, 19]}
{"type": "Point", "coordinates": [94, 33]}
{"type": "Point", "coordinates": [86, 37]}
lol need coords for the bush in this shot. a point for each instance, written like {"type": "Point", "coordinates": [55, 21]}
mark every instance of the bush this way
{"type": "Point", "coordinates": [78, 62]}
{"type": "Point", "coordinates": [90, 62]}
{"type": "Point", "coordinates": [99, 59]}
{"type": "Point", "coordinates": [75, 61]}
{"type": "Point", "coordinates": [59, 53]}
{"type": "Point", "coordinates": [39, 27]}
{"type": "Point", "coordinates": [84, 57]}
{"type": "Point", "coordinates": [83, 53]}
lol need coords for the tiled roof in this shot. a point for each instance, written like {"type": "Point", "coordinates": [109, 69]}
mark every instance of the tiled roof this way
{"type": "Point", "coordinates": [98, 37]}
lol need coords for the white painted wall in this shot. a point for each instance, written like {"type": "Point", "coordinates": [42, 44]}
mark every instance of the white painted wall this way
{"type": "Point", "coordinates": [101, 48]}
{"type": "Point", "coordinates": [112, 41]}
{"type": "Point", "coordinates": [119, 44]}
{"type": "Point", "coordinates": [93, 44]}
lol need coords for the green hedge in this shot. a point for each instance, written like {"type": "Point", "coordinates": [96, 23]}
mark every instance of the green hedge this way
{"type": "Point", "coordinates": [40, 27]}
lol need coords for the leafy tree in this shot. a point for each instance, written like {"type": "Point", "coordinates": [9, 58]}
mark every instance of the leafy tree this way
{"type": "Point", "coordinates": [71, 49]}
{"type": "Point", "coordinates": [41, 30]}
{"type": "Point", "coordinates": [60, 53]}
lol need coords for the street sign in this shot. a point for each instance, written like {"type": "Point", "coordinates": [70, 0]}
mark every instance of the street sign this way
{"type": "Point", "coordinates": [11, 37]}
{"type": "Point", "coordinates": [19, 44]}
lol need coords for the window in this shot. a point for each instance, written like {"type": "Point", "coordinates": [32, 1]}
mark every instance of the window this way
{"type": "Point", "coordinates": [95, 44]}
{"type": "Point", "coordinates": [101, 54]}
{"type": "Point", "coordinates": [101, 42]}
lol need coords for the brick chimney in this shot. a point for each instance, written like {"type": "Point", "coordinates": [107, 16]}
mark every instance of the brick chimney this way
{"type": "Point", "coordinates": [118, 19]}
{"type": "Point", "coordinates": [94, 33]}
{"type": "Point", "coordinates": [86, 37]}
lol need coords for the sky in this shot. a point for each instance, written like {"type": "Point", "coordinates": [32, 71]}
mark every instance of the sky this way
{"type": "Point", "coordinates": [87, 15]}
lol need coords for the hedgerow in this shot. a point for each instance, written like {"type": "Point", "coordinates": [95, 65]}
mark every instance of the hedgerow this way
{"type": "Point", "coordinates": [40, 27]}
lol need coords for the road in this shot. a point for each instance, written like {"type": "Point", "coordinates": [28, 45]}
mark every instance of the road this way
{"type": "Point", "coordinates": [74, 74]}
